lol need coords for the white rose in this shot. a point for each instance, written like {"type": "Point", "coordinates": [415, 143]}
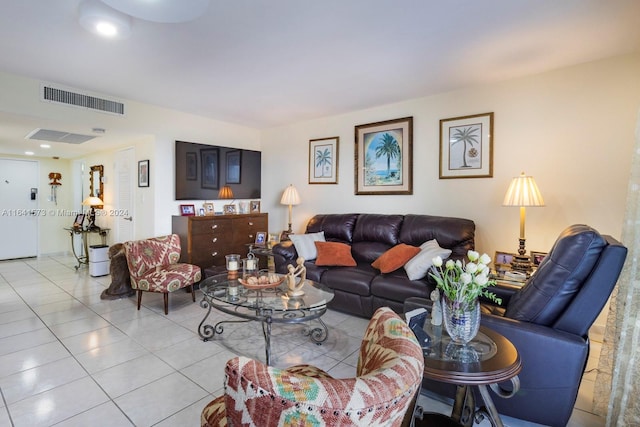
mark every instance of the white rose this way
{"type": "Point", "coordinates": [473, 255]}
{"type": "Point", "coordinates": [485, 259]}
{"type": "Point", "coordinates": [471, 268]}
{"type": "Point", "coordinates": [465, 278]}
{"type": "Point", "coordinates": [482, 279]}
{"type": "Point", "coordinates": [437, 261]}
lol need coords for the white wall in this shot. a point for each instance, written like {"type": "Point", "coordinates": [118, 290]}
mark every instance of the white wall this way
{"type": "Point", "coordinates": [150, 130]}
{"type": "Point", "coordinates": [572, 129]}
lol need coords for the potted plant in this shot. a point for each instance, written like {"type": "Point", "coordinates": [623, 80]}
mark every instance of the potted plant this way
{"type": "Point", "coordinates": [461, 285]}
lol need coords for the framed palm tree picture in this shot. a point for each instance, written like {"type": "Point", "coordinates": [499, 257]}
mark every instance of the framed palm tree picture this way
{"type": "Point", "coordinates": [384, 157]}
{"type": "Point", "coordinates": [323, 160]}
{"type": "Point", "coordinates": [466, 147]}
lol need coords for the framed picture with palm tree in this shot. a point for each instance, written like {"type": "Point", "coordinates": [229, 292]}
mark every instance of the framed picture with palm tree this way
{"type": "Point", "coordinates": [384, 157]}
{"type": "Point", "coordinates": [466, 147]}
{"type": "Point", "coordinates": [323, 160]}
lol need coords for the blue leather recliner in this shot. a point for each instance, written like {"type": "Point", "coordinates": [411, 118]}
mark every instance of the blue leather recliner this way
{"type": "Point", "coordinates": [548, 320]}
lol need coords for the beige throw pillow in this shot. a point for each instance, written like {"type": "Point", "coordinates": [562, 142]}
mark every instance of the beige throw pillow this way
{"type": "Point", "coordinates": [418, 266]}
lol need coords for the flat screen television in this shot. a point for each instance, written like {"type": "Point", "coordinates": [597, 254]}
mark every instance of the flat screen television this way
{"type": "Point", "coordinates": [201, 170]}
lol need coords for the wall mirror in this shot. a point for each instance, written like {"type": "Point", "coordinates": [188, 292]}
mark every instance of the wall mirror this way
{"type": "Point", "coordinates": [96, 188]}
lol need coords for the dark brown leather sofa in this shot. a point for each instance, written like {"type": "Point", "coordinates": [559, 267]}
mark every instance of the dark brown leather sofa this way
{"type": "Point", "coordinates": [362, 289]}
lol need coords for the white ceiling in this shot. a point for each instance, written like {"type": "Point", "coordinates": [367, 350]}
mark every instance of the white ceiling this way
{"type": "Point", "coordinates": [263, 63]}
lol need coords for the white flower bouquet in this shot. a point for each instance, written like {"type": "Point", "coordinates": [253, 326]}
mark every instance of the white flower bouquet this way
{"type": "Point", "coordinates": [464, 282]}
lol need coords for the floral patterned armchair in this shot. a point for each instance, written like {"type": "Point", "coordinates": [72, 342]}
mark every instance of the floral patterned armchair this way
{"type": "Point", "coordinates": [383, 393]}
{"type": "Point", "coordinates": [153, 267]}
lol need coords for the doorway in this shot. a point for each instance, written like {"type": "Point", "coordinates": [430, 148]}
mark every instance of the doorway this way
{"type": "Point", "coordinates": [19, 208]}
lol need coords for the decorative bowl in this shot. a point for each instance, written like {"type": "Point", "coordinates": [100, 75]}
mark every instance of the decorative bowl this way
{"type": "Point", "coordinates": [262, 285]}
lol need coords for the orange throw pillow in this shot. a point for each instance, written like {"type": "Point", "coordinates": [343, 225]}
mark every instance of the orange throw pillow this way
{"type": "Point", "coordinates": [334, 254]}
{"type": "Point", "coordinates": [395, 258]}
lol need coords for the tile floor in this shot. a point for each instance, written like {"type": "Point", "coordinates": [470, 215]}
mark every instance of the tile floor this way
{"type": "Point", "coordinates": [68, 358]}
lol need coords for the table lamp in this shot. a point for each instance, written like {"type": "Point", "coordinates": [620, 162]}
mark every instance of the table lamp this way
{"type": "Point", "coordinates": [289, 197]}
{"type": "Point", "coordinates": [522, 192]}
{"type": "Point", "coordinates": [225, 193]}
{"type": "Point", "coordinates": [93, 202]}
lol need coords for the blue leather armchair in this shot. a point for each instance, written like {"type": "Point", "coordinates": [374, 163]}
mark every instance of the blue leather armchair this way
{"type": "Point", "coordinates": [548, 320]}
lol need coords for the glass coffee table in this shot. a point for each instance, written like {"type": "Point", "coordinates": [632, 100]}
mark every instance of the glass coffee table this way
{"type": "Point", "coordinates": [267, 306]}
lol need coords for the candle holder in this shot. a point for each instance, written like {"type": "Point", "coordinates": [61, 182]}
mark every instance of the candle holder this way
{"type": "Point", "coordinates": [233, 265]}
{"type": "Point", "coordinates": [249, 266]}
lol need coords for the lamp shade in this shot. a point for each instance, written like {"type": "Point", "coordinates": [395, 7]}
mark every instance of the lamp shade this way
{"type": "Point", "coordinates": [225, 193]}
{"type": "Point", "coordinates": [523, 191]}
{"type": "Point", "coordinates": [290, 196]}
{"type": "Point", "coordinates": [92, 201]}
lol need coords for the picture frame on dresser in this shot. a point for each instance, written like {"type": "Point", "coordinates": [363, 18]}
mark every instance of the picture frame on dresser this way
{"type": "Point", "coordinates": [384, 157]}
{"type": "Point", "coordinates": [208, 209]}
{"type": "Point", "coordinates": [255, 206]}
{"type": "Point", "coordinates": [187, 210]}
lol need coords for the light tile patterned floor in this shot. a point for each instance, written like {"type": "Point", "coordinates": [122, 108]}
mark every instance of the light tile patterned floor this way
{"type": "Point", "coordinates": [68, 358]}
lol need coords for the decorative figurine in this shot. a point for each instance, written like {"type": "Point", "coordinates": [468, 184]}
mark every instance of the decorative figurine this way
{"type": "Point", "coordinates": [299, 271]}
{"type": "Point", "coordinates": [436, 310]}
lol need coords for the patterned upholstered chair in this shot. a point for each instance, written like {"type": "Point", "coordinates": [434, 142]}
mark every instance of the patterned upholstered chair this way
{"type": "Point", "coordinates": [383, 393]}
{"type": "Point", "coordinates": [153, 267]}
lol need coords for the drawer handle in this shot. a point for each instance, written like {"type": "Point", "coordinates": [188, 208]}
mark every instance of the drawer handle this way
{"type": "Point", "coordinates": [250, 223]}
{"type": "Point", "coordinates": [251, 236]}
{"type": "Point", "coordinates": [214, 254]}
{"type": "Point", "coordinates": [215, 239]}
{"type": "Point", "coordinates": [213, 227]}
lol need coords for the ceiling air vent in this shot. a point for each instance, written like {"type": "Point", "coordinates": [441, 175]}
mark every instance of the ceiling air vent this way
{"type": "Point", "coordinates": [57, 136]}
{"type": "Point", "coordinates": [60, 95]}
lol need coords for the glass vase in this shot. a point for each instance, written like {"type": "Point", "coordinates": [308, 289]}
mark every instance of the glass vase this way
{"type": "Point", "coordinates": [461, 319]}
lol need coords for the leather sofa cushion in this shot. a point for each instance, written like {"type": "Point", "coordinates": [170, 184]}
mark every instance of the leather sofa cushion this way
{"type": "Point", "coordinates": [350, 279]}
{"type": "Point", "coordinates": [378, 228]}
{"type": "Point", "coordinates": [397, 287]}
{"type": "Point", "coordinates": [336, 227]}
{"type": "Point", "coordinates": [559, 277]}
{"type": "Point", "coordinates": [367, 252]}
{"type": "Point", "coordinates": [453, 233]}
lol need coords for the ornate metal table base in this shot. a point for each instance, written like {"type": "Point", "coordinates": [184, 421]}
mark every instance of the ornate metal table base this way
{"type": "Point", "coordinates": [266, 316]}
{"type": "Point", "coordinates": [464, 409]}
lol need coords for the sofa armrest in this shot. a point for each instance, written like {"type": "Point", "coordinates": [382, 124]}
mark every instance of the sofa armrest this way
{"type": "Point", "coordinates": [284, 253]}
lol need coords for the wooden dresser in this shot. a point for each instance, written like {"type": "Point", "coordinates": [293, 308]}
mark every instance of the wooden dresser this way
{"type": "Point", "coordinates": [205, 240]}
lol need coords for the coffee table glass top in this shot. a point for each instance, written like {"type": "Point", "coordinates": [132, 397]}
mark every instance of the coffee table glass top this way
{"type": "Point", "coordinates": [315, 295]}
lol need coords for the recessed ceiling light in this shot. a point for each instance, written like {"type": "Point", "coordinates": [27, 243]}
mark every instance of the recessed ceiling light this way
{"type": "Point", "coordinates": [45, 146]}
{"type": "Point", "coordinates": [29, 153]}
{"type": "Point", "coordinates": [98, 18]}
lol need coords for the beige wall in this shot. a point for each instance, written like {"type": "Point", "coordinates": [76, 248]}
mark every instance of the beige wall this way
{"type": "Point", "coordinates": [572, 129]}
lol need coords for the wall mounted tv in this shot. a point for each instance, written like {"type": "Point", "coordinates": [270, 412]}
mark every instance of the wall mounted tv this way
{"type": "Point", "coordinates": [201, 170]}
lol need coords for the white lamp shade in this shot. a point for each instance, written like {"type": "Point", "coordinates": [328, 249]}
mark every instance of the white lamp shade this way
{"type": "Point", "coordinates": [523, 191]}
{"type": "Point", "coordinates": [290, 196]}
{"type": "Point", "coordinates": [92, 201]}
